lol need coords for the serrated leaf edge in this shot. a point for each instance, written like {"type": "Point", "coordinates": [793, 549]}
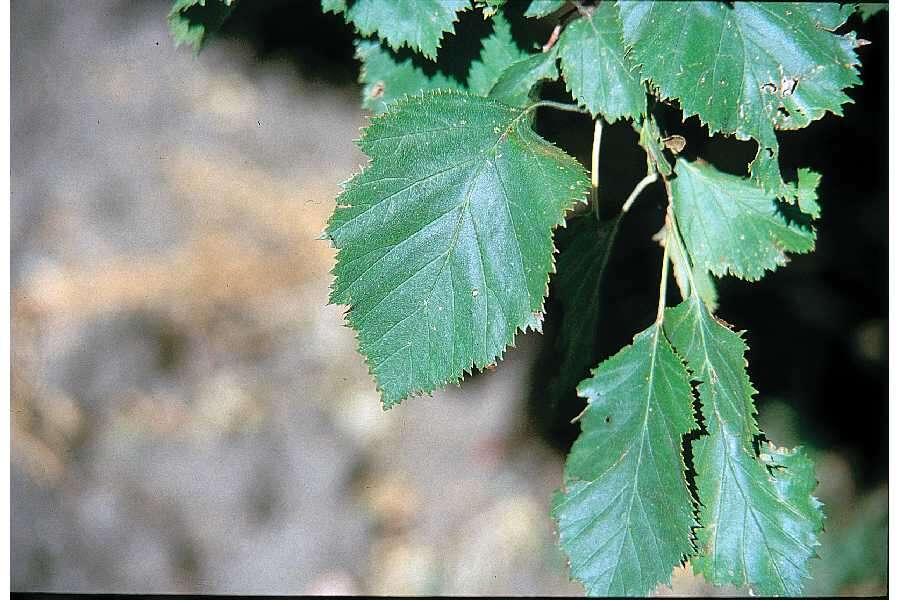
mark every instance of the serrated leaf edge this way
{"type": "Point", "coordinates": [392, 109]}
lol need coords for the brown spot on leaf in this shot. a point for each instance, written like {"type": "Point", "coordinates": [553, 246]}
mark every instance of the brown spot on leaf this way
{"type": "Point", "coordinates": [377, 90]}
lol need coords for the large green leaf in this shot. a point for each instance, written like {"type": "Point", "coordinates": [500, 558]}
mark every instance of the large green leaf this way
{"type": "Point", "coordinates": [191, 22]}
{"type": "Point", "coordinates": [418, 24]}
{"type": "Point", "coordinates": [625, 514]}
{"type": "Point", "coordinates": [730, 225]}
{"type": "Point", "coordinates": [746, 68]}
{"type": "Point", "coordinates": [595, 67]}
{"type": "Point", "coordinates": [758, 517]}
{"type": "Point", "coordinates": [499, 51]}
{"type": "Point", "coordinates": [444, 240]}
{"type": "Point", "coordinates": [386, 78]}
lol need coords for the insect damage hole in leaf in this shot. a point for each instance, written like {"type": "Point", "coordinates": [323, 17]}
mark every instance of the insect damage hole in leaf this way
{"type": "Point", "coordinates": [734, 65]}
{"type": "Point", "coordinates": [758, 528]}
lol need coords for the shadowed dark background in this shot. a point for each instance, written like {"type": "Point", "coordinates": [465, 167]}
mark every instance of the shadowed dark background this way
{"type": "Point", "coordinates": [817, 329]}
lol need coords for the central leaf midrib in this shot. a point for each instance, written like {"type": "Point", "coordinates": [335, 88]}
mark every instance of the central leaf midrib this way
{"type": "Point", "coordinates": [640, 441]}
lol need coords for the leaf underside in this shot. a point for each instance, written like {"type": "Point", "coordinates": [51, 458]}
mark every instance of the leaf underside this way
{"type": "Point", "coordinates": [746, 68]}
{"type": "Point", "coordinates": [445, 244]}
{"type": "Point", "coordinates": [516, 84]}
{"type": "Point", "coordinates": [625, 514]}
{"type": "Point", "coordinates": [758, 517]}
{"type": "Point", "coordinates": [686, 275]}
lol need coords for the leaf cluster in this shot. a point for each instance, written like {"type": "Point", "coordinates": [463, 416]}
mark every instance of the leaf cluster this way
{"type": "Point", "coordinates": [445, 250]}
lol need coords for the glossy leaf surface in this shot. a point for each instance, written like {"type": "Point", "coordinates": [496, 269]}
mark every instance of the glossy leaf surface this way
{"type": "Point", "coordinates": [758, 517]}
{"type": "Point", "coordinates": [731, 225]}
{"type": "Point", "coordinates": [444, 240]}
{"type": "Point", "coordinates": [625, 514]}
{"type": "Point", "coordinates": [746, 68]}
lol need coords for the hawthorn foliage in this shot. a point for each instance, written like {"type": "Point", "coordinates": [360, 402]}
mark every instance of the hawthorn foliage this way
{"type": "Point", "coordinates": [445, 250]}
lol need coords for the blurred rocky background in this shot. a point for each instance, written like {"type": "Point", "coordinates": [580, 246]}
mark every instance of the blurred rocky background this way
{"type": "Point", "coordinates": [188, 415]}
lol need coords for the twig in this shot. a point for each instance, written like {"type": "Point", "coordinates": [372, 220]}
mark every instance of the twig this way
{"type": "Point", "coordinates": [579, 415]}
{"type": "Point", "coordinates": [663, 281]}
{"type": "Point", "coordinates": [564, 20]}
{"type": "Point", "coordinates": [554, 35]}
{"type": "Point", "coordinates": [558, 106]}
{"type": "Point", "coordinates": [595, 163]}
{"type": "Point", "coordinates": [647, 180]}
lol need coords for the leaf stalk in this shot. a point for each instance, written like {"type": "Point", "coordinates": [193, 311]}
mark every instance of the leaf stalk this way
{"type": "Point", "coordinates": [595, 164]}
{"type": "Point", "coordinates": [643, 183]}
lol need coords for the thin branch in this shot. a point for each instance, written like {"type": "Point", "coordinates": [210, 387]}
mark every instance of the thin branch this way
{"type": "Point", "coordinates": [564, 20]}
{"type": "Point", "coordinates": [595, 163]}
{"type": "Point", "coordinates": [554, 35]}
{"type": "Point", "coordinates": [647, 180]}
{"type": "Point", "coordinates": [557, 106]}
{"type": "Point", "coordinates": [663, 281]}
{"type": "Point", "coordinates": [682, 249]}
{"type": "Point", "coordinates": [577, 417]}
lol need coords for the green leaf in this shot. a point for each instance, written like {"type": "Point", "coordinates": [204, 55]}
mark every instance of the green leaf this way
{"type": "Point", "coordinates": [758, 518]}
{"type": "Point", "coordinates": [334, 6]}
{"type": "Point", "coordinates": [625, 515]}
{"type": "Point", "coordinates": [191, 22]}
{"type": "Point", "coordinates": [499, 51]}
{"type": "Point", "coordinates": [542, 8]}
{"type": "Point", "coordinates": [595, 68]}
{"type": "Point", "coordinates": [444, 239]}
{"type": "Point", "coordinates": [517, 83]}
{"type": "Point", "coordinates": [576, 286]}
{"type": "Point", "coordinates": [386, 78]}
{"type": "Point", "coordinates": [867, 10]}
{"type": "Point", "coordinates": [746, 68]}
{"type": "Point", "coordinates": [807, 182]}
{"type": "Point", "coordinates": [730, 225]}
{"type": "Point", "coordinates": [418, 24]}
